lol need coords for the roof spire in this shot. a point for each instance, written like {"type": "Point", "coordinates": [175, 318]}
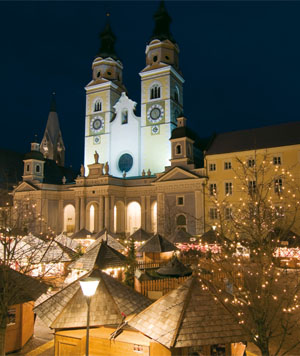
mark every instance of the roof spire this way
{"type": "Point", "coordinates": [162, 24]}
{"type": "Point", "coordinates": [108, 40]}
{"type": "Point", "coordinates": [53, 103]}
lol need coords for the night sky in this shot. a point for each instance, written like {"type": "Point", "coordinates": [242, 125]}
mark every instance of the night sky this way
{"type": "Point", "coordinates": [240, 61]}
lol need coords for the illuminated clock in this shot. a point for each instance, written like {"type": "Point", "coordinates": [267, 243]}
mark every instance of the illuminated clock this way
{"type": "Point", "coordinates": [96, 124]}
{"type": "Point", "coordinates": [155, 113]}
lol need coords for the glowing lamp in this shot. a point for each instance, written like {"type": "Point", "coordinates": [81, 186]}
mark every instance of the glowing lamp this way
{"type": "Point", "coordinates": [89, 286]}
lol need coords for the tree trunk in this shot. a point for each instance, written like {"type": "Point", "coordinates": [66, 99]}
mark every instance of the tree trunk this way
{"type": "Point", "coordinates": [264, 349]}
{"type": "Point", "coordinates": [2, 339]}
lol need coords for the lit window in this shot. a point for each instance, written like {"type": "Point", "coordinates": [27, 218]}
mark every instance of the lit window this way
{"type": "Point", "coordinates": [251, 186]}
{"type": "Point", "coordinates": [213, 189]}
{"type": "Point", "coordinates": [155, 92]}
{"type": "Point", "coordinates": [180, 201]}
{"type": "Point", "coordinates": [97, 106]}
{"type": "Point", "coordinates": [11, 316]}
{"type": "Point", "coordinates": [277, 160]}
{"type": "Point", "coordinates": [213, 213]}
{"type": "Point", "coordinates": [251, 163]}
{"type": "Point", "coordinates": [178, 149]}
{"type": "Point", "coordinates": [278, 185]}
{"type": "Point", "coordinates": [124, 117]}
{"type": "Point", "coordinates": [212, 167]}
{"type": "Point", "coordinates": [228, 188]}
{"type": "Point", "coordinates": [227, 165]}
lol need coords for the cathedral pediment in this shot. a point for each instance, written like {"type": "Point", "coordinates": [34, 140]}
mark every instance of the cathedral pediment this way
{"type": "Point", "coordinates": [25, 187]}
{"type": "Point", "coordinates": [177, 173]}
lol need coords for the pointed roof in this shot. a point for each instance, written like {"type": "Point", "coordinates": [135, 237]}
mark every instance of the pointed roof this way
{"type": "Point", "coordinates": [188, 316]}
{"type": "Point", "coordinates": [180, 236]}
{"type": "Point", "coordinates": [157, 243]}
{"type": "Point", "coordinates": [212, 237]}
{"type": "Point", "coordinates": [140, 235]}
{"type": "Point", "coordinates": [108, 40]}
{"type": "Point", "coordinates": [101, 256]}
{"type": "Point", "coordinates": [82, 234]}
{"type": "Point", "coordinates": [162, 25]}
{"type": "Point", "coordinates": [52, 128]}
{"type": "Point", "coordinates": [67, 308]}
{"type": "Point", "coordinates": [174, 268]}
{"type": "Point", "coordinates": [22, 288]}
{"type": "Point", "coordinates": [111, 239]}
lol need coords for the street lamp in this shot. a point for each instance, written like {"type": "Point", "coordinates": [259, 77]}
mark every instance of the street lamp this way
{"type": "Point", "coordinates": [88, 286]}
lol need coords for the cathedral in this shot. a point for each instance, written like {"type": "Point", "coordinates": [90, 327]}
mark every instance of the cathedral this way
{"type": "Point", "coordinates": [149, 171]}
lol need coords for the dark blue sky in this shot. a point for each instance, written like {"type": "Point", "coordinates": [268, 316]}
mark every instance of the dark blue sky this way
{"type": "Point", "coordinates": [240, 60]}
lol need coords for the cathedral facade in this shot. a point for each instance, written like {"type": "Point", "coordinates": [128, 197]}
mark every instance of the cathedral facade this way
{"type": "Point", "coordinates": [138, 171]}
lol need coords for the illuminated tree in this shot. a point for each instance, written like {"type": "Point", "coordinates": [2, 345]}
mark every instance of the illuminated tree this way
{"type": "Point", "coordinates": [131, 265]}
{"type": "Point", "coordinates": [247, 277]}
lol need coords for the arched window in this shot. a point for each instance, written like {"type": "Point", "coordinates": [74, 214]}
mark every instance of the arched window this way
{"type": "Point", "coordinates": [92, 218]}
{"type": "Point", "coordinates": [97, 105]}
{"type": "Point", "coordinates": [181, 222]}
{"type": "Point", "coordinates": [69, 218]}
{"type": "Point", "coordinates": [133, 217]}
{"type": "Point", "coordinates": [155, 92]}
{"type": "Point", "coordinates": [178, 149]}
{"type": "Point", "coordinates": [124, 117]}
{"type": "Point", "coordinates": [154, 217]}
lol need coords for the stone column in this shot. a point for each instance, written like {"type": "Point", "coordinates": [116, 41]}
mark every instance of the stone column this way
{"type": "Point", "coordinates": [148, 214]}
{"type": "Point", "coordinates": [82, 213]}
{"type": "Point", "coordinates": [77, 214]}
{"type": "Point", "coordinates": [125, 215]}
{"type": "Point", "coordinates": [111, 213]}
{"type": "Point", "coordinates": [106, 215]}
{"type": "Point", "coordinates": [143, 213]}
{"type": "Point", "coordinates": [161, 213]}
{"type": "Point", "coordinates": [60, 225]}
{"type": "Point", "coordinates": [101, 211]}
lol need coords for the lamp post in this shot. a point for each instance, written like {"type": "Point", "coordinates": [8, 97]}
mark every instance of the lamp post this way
{"type": "Point", "coordinates": [88, 286]}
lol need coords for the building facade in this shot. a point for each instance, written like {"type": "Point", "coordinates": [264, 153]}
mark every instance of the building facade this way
{"type": "Point", "coordinates": [148, 171]}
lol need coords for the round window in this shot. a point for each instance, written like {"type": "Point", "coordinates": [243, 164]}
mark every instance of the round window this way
{"type": "Point", "coordinates": [125, 162]}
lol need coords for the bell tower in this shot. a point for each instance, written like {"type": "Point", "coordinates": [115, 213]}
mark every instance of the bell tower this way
{"type": "Point", "coordinates": [102, 93]}
{"type": "Point", "coordinates": [161, 94]}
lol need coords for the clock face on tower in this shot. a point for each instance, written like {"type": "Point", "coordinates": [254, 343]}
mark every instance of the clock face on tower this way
{"type": "Point", "coordinates": [155, 113]}
{"type": "Point", "coordinates": [96, 124]}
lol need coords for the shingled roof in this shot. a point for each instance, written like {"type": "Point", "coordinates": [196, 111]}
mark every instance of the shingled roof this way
{"type": "Point", "coordinates": [188, 316]}
{"type": "Point", "coordinates": [82, 234]}
{"type": "Point", "coordinates": [212, 237]}
{"type": "Point", "coordinates": [111, 241]}
{"type": "Point", "coordinates": [68, 308]}
{"type": "Point", "coordinates": [174, 268]}
{"type": "Point", "coordinates": [180, 236]}
{"type": "Point", "coordinates": [263, 137]}
{"type": "Point", "coordinates": [102, 256]}
{"type": "Point", "coordinates": [157, 243]}
{"type": "Point", "coordinates": [140, 235]}
{"type": "Point", "coordinates": [22, 288]}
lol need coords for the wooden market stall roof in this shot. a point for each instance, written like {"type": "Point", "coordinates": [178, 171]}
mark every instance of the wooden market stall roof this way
{"type": "Point", "coordinates": [188, 316]}
{"type": "Point", "coordinates": [174, 268]}
{"type": "Point", "coordinates": [157, 243]}
{"type": "Point", "coordinates": [82, 234]}
{"type": "Point", "coordinates": [111, 302]}
{"type": "Point", "coordinates": [110, 238]}
{"type": "Point", "coordinates": [180, 237]}
{"type": "Point", "coordinates": [140, 235]}
{"type": "Point", "coordinates": [101, 256]}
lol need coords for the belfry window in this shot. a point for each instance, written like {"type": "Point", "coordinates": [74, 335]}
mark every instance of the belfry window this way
{"type": "Point", "coordinates": [176, 94]}
{"type": "Point", "coordinates": [178, 149]}
{"type": "Point", "coordinates": [97, 106]}
{"type": "Point", "coordinates": [124, 117]}
{"type": "Point", "coordinates": [38, 168]}
{"type": "Point", "coordinates": [155, 92]}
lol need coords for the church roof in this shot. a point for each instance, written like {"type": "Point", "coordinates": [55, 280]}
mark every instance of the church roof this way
{"type": "Point", "coordinates": [52, 131]}
{"type": "Point", "coordinates": [157, 243]}
{"type": "Point", "coordinates": [162, 25]}
{"type": "Point", "coordinates": [183, 131]}
{"type": "Point", "coordinates": [188, 316]}
{"type": "Point", "coordinates": [53, 173]}
{"type": "Point", "coordinates": [101, 256]}
{"type": "Point", "coordinates": [108, 40]}
{"type": "Point", "coordinates": [112, 300]}
{"type": "Point", "coordinates": [263, 137]}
